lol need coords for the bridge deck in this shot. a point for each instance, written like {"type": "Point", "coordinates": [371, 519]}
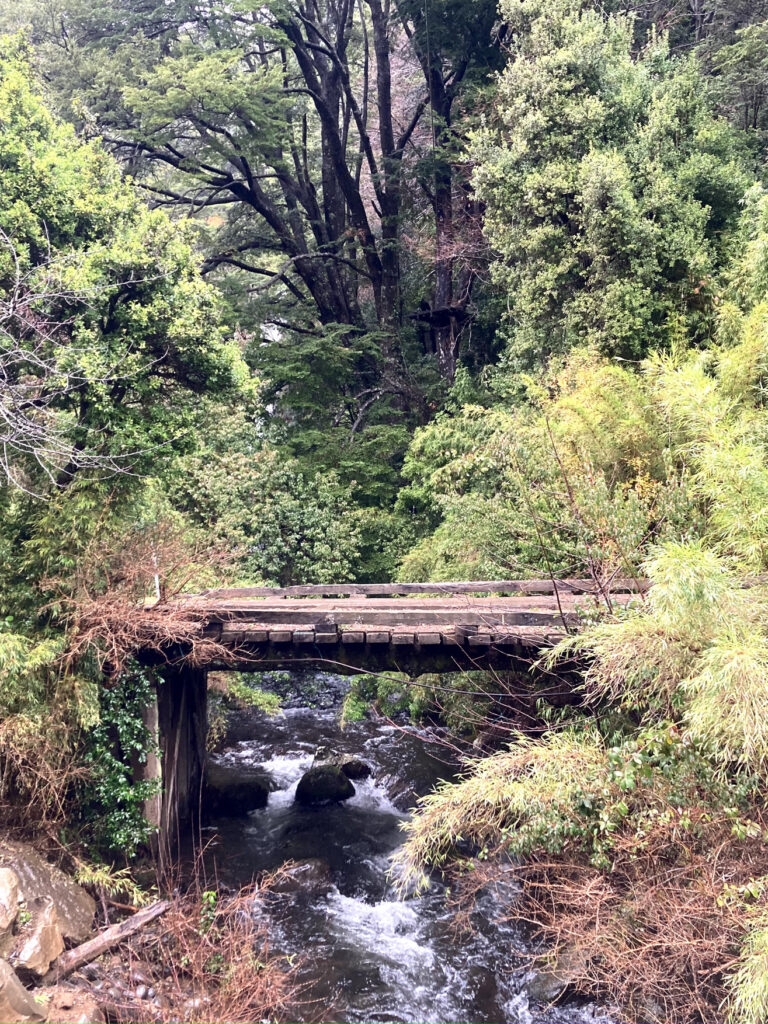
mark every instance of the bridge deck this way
{"type": "Point", "coordinates": [386, 624]}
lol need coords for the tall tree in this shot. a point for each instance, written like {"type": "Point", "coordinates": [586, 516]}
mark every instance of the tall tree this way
{"type": "Point", "coordinates": [282, 127]}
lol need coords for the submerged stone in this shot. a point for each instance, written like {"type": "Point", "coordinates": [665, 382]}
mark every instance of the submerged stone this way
{"type": "Point", "coordinates": [324, 784]}
{"type": "Point", "coordinates": [311, 875]}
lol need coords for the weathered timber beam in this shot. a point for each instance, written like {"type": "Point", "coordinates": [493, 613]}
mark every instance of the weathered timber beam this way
{"type": "Point", "coordinates": [271, 618]}
{"type": "Point", "coordinates": [413, 659]}
{"type": "Point", "coordinates": [573, 586]}
{"type": "Point", "coordinates": [234, 635]}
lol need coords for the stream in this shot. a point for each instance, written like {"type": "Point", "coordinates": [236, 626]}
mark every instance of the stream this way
{"type": "Point", "coordinates": [370, 955]}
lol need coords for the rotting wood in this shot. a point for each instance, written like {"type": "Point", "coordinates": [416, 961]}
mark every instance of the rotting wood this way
{"type": "Point", "coordinates": [103, 942]}
{"type": "Point", "coordinates": [402, 638]}
{"type": "Point", "coordinates": [409, 617]}
{"type": "Point", "coordinates": [462, 630]}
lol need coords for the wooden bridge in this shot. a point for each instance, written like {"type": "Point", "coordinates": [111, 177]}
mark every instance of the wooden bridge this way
{"type": "Point", "coordinates": [413, 628]}
{"type": "Point", "coordinates": [409, 627]}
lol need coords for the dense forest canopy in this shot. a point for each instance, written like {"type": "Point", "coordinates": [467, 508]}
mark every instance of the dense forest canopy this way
{"type": "Point", "coordinates": [299, 291]}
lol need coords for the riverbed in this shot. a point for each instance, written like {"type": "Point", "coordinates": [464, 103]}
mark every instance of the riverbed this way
{"type": "Point", "coordinates": [368, 953]}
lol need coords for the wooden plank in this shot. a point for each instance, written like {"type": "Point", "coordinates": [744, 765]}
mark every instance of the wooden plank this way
{"type": "Point", "coordinates": [462, 630]}
{"type": "Point", "coordinates": [280, 636]}
{"type": "Point", "coordinates": [104, 941]}
{"type": "Point", "coordinates": [480, 640]}
{"type": "Point", "coordinates": [402, 638]}
{"type": "Point", "coordinates": [242, 632]}
{"type": "Point", "coordinates": [537, 586]}
{"type": "Point", "coordinates": [304, 636]}
{"type": "Point", "coordinates": [427, 639]}
{"type": "Point", "coordinates": [506, 638]}
{"type": "Point", "coordinates": [379, 636]}
{"type": "Point", "coordinates": [421, 616]}
{"type": "Point", "coordinates": [327, 638]}
{"type": "Point", "coordinates": [353, 637]}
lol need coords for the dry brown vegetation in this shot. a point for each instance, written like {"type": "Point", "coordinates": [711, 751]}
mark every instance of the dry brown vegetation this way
{"type": "Point", "coordinates": [37, 771]}
{"type": "Point", "coordinates": [209, 960]}
{"type": "Point", "coordinates": [658, 935]}
{"type": "Point", "coordinates": [111, 602]}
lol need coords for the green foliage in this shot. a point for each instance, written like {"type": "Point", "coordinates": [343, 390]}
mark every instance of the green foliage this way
{"type": "Point", "coordinates": [208, 902]}
{"type": "Point", "coordinates": [279, 525]}
{"type": "Point", "coordinates": [228, 691]}
{"type": "Point", "coordinates": [112, 803]}
{"type": "Point", "coordinates": [696, 650]}
{"type": "Point", "coordinates": [112, 882]}
{"type": "Point", "coordinates": [571, 793]}
{"type": "Point", "coordinates": [124, 333]}
{"type": "Point", "coordinates": [577, 482]}
{"type": "Point", "coordinates": [389, 692]}
{"type": "Point", "coordinates": [610, 186]}
{"type": "Point", "coordinates": [455, 698]}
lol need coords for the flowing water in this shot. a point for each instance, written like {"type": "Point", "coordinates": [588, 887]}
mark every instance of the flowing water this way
{"type": "Point", "coordinates": [370, 955]}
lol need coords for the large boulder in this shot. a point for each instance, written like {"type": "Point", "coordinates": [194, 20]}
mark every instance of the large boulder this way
{"type": "Point", "coordinates": [17, 1006]}
{"type": "Point", "coordinates": [233, 791]}
{"type": "Point", "coordinates": [37, 878]}
{"type": "Point", "coordinates": [40, 940]}
{"type": "Point", "coordinates": [9, 898]}
{"type": "Point", "coordinates": [323, 784]}
{"type": "Point", "coordinates": [548, 983]}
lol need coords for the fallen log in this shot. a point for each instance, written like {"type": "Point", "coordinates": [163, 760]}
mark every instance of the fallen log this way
{"type": "Point", "coordinates": [104, 941]}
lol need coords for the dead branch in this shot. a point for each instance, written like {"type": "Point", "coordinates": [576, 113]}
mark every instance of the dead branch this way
{"type": "Point", "coordinates": [103, 942]}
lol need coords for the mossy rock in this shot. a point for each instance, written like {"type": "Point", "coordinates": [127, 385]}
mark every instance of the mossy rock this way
{"type": "Point", "coordinates": [324, 784]}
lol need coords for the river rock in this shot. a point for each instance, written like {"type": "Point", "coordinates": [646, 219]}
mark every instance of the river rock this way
{"type": "Point", "coordinates": [323, 784]}
{"type": "Point", "coordinates": [40, 942]}
{"type": "Point", "coordinates": [355, 768]}
{"type": "Point", "coordinates": [37, 878]}
{"type": "Point", "coordinates": [17, 1006]}
{"type": "Point", "coordinates": [235, 791]}
{"type": "Point", "coordinates": [9, 898]}
{"type": "Point", "coordinates": [546, 985]}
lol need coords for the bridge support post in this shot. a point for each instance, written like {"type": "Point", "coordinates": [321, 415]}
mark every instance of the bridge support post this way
{"type": "Point", "coordinates": [182, 714]}
{"type": "Point", "coordinates": [150, 769]}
